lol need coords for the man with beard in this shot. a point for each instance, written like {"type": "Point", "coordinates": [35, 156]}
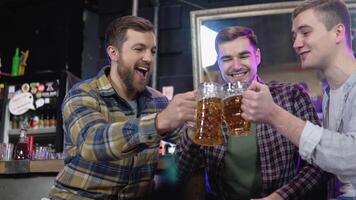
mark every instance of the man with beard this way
{"type": "Point", "coordinates": [322, 39]}
{"type": "Point", "coordinates": [264, 163]}
{"type": "Point", "coordinates": [114, 122]}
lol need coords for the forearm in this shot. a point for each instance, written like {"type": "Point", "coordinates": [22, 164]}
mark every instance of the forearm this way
{"type": "Point", "coordinates": [287, 124]}
{"type": "Point", "coordinates": [332, 151]}
{"type": "Point", "coordinates": [275, 196]}
{"type": "Point", "coordinates": [162, 124]}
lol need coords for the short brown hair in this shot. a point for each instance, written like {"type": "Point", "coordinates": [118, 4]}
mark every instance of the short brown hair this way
{"type": "Point", "coordinates": [115, 34]}
{"type": "Point", "coordinates": [330, 13]}
{"type": "Point", "coordinates": [231, 33]}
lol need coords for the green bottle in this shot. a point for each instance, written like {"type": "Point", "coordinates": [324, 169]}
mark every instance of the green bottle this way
{"type": "Point", "coordinates": [15, 63]}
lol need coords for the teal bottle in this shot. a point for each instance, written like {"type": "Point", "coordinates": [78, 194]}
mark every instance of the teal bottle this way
{"type": "Point", "coordinates": [15, 63]}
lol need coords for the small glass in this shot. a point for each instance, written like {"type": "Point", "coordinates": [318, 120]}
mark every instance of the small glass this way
{"type": "Point", "coordinates": [6, 150]}
{"type": "Point", "coordinates": [208, 115]}
{"type": "Point", "coordinates": [236, 125]}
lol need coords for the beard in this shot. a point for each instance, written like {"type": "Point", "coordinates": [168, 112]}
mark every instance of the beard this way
{"type": "Point", "coordinates": [127, 77]}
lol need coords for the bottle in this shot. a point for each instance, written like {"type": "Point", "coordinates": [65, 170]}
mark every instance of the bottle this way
{"type": "Point", "coordinates": [15, 122]}
{"type": "Point", "coordinates": [22, 64]}
{"type": "Point", "coordinates": [53, 120]}
{"type": "Point", "coordinates": [47, 120]}
{"type": "Point", "coordinates": [21, 149]}
{"type": "Point", "coordinates": [47, 111]}
{"type": "Point", "coordinates": [54, 113]}
{"type": "Point", "coordinates": [2, 86]}
{"type": "Point", "coordinates": [15, 63]}
{"type": "Point", "coordinates": [41, 122]}
{"type": "Point", "coordinates": [30, 142]}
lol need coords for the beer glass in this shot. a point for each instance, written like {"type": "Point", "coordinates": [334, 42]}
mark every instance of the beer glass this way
{"type": "Point", "coordinates": [232, 93]}
{"type": "Point", "coordinates": [208, 115]}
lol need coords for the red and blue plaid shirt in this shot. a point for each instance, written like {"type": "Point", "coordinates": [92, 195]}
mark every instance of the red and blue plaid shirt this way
{"type": "Point", "coordinates": [277, 154]}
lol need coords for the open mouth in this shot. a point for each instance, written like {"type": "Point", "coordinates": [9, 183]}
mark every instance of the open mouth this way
{"type": "Point", "coordinates": [141, 71]}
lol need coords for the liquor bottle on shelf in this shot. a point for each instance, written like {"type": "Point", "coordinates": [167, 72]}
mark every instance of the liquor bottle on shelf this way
{"type": "Point", "coordinates": [53, 118]}
{"type": "Point", "coordinates": [47, 120]}
{"type": "Point", "coordinates": [21, 148]}
{"type": "Point", "coordinates": [40, 113]}
{"type": "Point", "coordinates": [47, 111]}
{"type": "Point", "coordinates": [41, 122]}
{"type": "Point", "coordinates": [15, 121]}
{"type": "Point", "coordinates": [33, 119]}
{"type": "Point", "coordinates": [35, 122]}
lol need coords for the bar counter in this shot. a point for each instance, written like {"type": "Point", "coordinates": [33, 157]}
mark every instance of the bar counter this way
{"type": "Point", "coordinates": [30, 166]}
{"type": "Point", "coordinates": [46, 166]}
{"type": "Point", "coordinates": [27, 179]}
{"type": "Point", "coordinates": [35, 177]}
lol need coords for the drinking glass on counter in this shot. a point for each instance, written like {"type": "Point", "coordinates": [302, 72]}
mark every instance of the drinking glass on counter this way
{"type": "Point", "coordinates": [208, 115]}
{"type": "Point", "coordinates": [232, 93]}
{"type": "Point", "coordinates": [6, 150]}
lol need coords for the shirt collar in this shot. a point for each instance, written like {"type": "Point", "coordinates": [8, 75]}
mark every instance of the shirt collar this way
{"type": "Point", "coordinates": [347, 85]}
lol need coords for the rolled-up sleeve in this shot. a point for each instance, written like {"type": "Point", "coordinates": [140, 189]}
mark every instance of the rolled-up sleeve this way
{"type": "Point", "coordinates": [309, 140]}
{"type": "Point", "coordinates": [332, 151]}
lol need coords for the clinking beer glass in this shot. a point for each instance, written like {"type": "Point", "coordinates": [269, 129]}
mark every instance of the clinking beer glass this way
{"type": "Point", "coordinates": [232, 93]}
{"type": "Point", "coordinates": [208, 115]}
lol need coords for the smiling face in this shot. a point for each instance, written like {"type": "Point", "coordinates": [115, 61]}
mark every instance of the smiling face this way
{"type": "Point", "coordinates": [133, 61]}
{"type": "Point", "coordinates": [238, 60]}
{"type": "Point", "coordinates": [312, 41]}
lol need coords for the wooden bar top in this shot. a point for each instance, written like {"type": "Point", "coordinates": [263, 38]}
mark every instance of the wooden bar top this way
{"type": "Point", "coordinates": [45, 166]}
{"type": "Point", "coordinates": [30, 166]}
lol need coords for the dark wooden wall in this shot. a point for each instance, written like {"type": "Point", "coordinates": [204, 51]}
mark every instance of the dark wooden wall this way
{"type": "Point", "coordinates": [53, 32]}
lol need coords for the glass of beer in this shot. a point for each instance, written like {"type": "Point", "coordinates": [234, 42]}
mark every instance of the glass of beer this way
{"type": "Point", "coordinates": [232, 93]}
{"type": "Point", "coordinates": [208, 115]}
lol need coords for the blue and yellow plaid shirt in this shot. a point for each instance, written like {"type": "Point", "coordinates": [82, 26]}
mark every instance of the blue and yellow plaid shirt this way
{"type": "Point", "coordinates": [112, 153]}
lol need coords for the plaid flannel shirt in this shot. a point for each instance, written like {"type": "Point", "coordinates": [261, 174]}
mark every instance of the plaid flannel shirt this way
{"type": "Point", "coordinates": [278, 156]}
{"type": "Point", "coordinates": [111, 153]}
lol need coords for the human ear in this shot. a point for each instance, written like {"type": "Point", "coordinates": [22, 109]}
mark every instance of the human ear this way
{"type": "Point", "coordinates": [258, 56]}
{"type": "Point", "coordinates": [113, 53]}
{"type": "Point", "coordinates": [340, 33]}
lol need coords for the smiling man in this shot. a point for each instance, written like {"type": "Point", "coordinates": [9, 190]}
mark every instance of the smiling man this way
{"type": "Point", "coordinates": [113, 122]}
{"type": "Point", "coordinates": [238, 58]}
{"type": "Point", "coordinates": [263, 164]}
{"type": "Point", "coordinates": [322, 39]}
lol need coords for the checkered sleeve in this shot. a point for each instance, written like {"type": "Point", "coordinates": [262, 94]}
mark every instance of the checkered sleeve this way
{"type": "Point", "coordinates": [309, 176]}
{"type": "Point", "coordinates": [188, 156]}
